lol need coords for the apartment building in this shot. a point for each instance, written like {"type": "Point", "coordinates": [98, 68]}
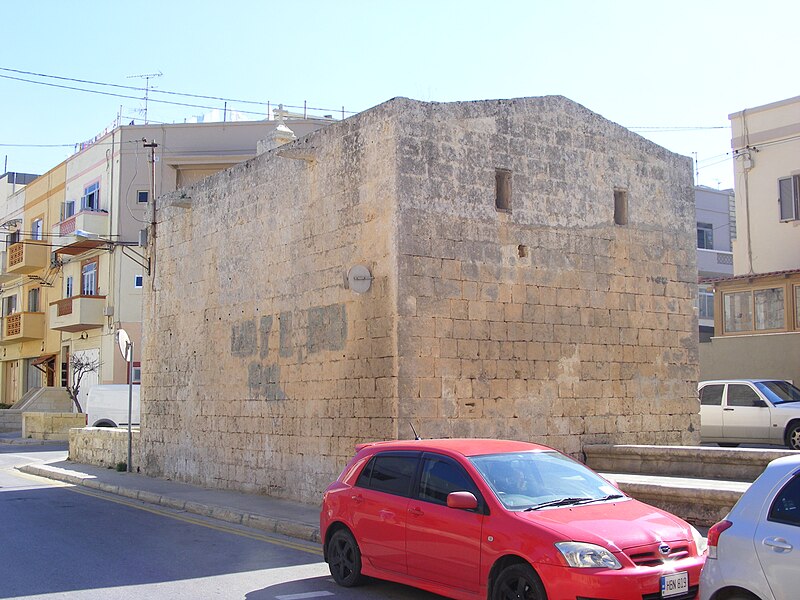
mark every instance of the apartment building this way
{"type": "Point", "coordinates": [716, 230]}
{"type": "Point", "coordinates": [757, 311]}
{"type": "Point", "coordinates": [76, 260]}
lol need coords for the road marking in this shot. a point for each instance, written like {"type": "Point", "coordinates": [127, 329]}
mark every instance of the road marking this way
{"type": "Point", "coordinates": [304, 595]}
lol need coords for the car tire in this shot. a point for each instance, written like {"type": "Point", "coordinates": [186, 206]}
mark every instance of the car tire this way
{"type": "Point", "coordinates": [344, 559]}
{"type": "Point", "coordinates": [793, 437]}
{"type": "Point", "coordinates": [518, 582]}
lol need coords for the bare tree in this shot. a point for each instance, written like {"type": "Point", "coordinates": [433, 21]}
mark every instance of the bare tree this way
{"type": "Point", "coordinates": [80, 365]}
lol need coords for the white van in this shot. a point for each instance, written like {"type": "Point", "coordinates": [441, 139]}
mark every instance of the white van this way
{"type": "Point", "coordinates": [107, 405]}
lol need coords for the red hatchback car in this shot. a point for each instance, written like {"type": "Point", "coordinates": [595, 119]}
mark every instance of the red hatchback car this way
{"type": "Point", "coordinates": [499, 519]}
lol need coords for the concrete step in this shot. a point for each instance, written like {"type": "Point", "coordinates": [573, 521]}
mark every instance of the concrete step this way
{"type": "Point", "coordinates": [709, 462]}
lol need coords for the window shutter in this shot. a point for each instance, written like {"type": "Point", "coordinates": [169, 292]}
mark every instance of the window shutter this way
{"type": "Point", "coordinates": [787, 198]}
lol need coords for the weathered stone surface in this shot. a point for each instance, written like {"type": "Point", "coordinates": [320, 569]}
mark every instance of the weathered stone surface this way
{"type": "Point", "coordinates": [545, 322]}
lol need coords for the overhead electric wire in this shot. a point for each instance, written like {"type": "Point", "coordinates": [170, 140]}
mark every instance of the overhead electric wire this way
{"type": "Point", "coordinates": [151, 90]}
{"type": "Point", "coordinates": [101, 93]}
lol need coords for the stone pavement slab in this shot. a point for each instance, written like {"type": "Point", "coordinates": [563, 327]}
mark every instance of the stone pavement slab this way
{"type": "Point", "coordinates": [273, 515]}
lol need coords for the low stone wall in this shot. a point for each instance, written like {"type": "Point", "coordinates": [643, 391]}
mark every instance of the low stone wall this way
{"type": "Point", "coordinates": [709, 462]}
{"type": "Point", "coordinates": [10, 420]}
{"type": "Point", "coordinates": [50, 425]}
{"type": "Point", "coordinates": [102, 446]}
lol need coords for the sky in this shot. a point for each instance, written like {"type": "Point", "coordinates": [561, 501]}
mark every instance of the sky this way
{"type": "Point", "coordinates": [671, 71]}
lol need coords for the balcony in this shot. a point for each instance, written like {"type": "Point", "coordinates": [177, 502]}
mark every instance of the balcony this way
{"type": "Point", "coordinates": [66, 233]}
{"type": "Point", "coordinates": [27, 257]}
{"type": "Point", "coordinates": [77, 313]}
{"type": "Point", "coordinates": [714, 263]}
{"type": "Point", "coordinates": [22, 327]}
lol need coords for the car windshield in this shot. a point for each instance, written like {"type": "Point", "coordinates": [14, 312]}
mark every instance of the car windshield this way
{"type": "Point", "coordinates": [538, 480]}
{"type": "Point", "coordinates": [779, 392]}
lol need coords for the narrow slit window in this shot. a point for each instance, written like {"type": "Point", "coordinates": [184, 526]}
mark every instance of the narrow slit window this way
{"type": "Point", "coordinates": [620, 207]}
{"type": "Point", "coordinates": [502, 189]}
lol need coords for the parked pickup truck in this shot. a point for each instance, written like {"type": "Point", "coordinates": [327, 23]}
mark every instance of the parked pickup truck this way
{"type": "Point", "coordinates": [107, 405]}
{"type": "Point", "coordinates": [750, 411]}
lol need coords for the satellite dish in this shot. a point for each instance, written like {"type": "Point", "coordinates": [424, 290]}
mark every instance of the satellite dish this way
{"type": "Point", "coordinates": [125, 345]}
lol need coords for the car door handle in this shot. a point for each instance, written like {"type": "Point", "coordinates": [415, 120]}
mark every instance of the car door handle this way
{"type": "Point", "coordinates": [727, 409]}
{"type": "Point", "coordinates": [357, 498]}
{"type": "Point", "coordinates": [416, 511]}
{"type": "Point", "coordinates": [778, 544]}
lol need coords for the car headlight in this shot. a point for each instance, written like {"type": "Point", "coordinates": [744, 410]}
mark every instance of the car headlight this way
{"type": "Point", "coordinates": [699, 541]}
{"type": "Point", "coordinates": [587, 556]}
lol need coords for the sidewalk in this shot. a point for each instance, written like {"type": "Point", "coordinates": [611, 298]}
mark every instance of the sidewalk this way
{"type": "Point", "coordinates": [272, 515]}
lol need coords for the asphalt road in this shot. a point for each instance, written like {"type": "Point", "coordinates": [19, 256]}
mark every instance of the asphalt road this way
{"type": "Point", "coordinates": [58, 541]}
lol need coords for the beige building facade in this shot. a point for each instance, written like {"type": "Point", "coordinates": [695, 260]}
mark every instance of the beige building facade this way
{"type": "Point", "coordinates": [757, 312]}
{"type": "Point", "coordinates": [518, 268]}
{"type": "Point", "coordinates": [766, 147]}
{"type": "Point", "coordinates": [74, 269]}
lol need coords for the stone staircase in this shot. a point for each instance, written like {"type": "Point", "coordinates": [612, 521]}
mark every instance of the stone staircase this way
{"type": "Point", "coordinates": [698, 483]}
{"type": "Point", "coordinates": [45, 399]}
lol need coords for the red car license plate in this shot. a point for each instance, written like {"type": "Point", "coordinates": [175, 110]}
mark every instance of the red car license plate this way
{"type": "Point", "coordinates": [674, 584]}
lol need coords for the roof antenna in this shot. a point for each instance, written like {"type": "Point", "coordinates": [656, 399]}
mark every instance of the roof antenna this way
{"type": "Point", "coordinates": [416, 435]}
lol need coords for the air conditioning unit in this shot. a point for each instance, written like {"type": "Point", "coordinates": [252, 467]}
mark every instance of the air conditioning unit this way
{"type": "Point", "coordinates": [143, 238]}
{"type": "Point", "coordinates": [54, 260]}
{"type": "Point", "coordinates": [108, 311]}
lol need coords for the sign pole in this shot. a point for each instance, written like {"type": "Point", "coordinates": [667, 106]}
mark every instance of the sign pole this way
{"type": "Point", "coordinates": [129, 356]}
{"type": "Point", "coordinates": [126, 348]}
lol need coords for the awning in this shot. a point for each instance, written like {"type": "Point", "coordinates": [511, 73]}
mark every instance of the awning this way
{"type": "Point", "coordinates": [42, 359]}
{"type": "Point", "coordinates": [43, 363]}
{"type": "Point", "coordinates": [81, 246]}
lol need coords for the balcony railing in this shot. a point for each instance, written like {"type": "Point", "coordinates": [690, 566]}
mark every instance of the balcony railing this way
{"type": "Point", "coordinates": [65, 236]}
{"type": "Point", "coordinates": [27, 257]}
{"type": "Point", "coordinates": [23, 326]}
{"type": "Point", "coordinates": [77, 313]}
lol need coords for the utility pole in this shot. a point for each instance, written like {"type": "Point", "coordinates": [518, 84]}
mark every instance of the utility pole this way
{"type": "Point", "coordinates": [152, 233]}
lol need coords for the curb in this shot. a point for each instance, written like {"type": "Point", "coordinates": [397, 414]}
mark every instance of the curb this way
{"type": "Point", "coordinates": [286, 527]}
{"type": "Point", "coordinates": [29, 442]}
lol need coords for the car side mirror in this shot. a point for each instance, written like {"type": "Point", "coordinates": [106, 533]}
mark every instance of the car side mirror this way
{"type": "Point", "coordinates": [462, 500]}
{"type": "Point", "coordinates": [759, 404]}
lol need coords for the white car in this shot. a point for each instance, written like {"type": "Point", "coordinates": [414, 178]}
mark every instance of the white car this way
{"type": "Point", "coordinates": [747, 411]}
{"type": "Point", "coordinates": [754, 554]}
{"type": "Point", "coordinates": [107, 405]}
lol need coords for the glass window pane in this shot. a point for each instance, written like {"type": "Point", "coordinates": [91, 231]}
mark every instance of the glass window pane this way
{"type": "Point", "coordinates": [742, 395]}
{"type": "Point", "coordinates": [705, 236]}
{"type": "Point", "coordinates": [769, 308]}
{"type": "Point", "coordinates": [797, 307]}
{"type": "Point", "coordinates": [786, 507]}
{"type": "Point", "coordinates": [786, 199]}
{"type": "Point", "coordinates": [393, 474]}
{"type": "Point", "coordinates": [738, 311]}
{"type": "Point", "coordinates": [711, 395]}
{"type": "Point", "coordinates": [440, 478]}
{"type": "Point", "coordinates": [705, 305]}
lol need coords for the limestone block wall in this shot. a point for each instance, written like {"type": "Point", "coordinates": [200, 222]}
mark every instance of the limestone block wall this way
{"type": "Point", "coordinates": [50, 425]}
{"type": "Point", "coordinates": [102, 446]}
{"type": "Point", "coordinates": [10, 420]}
{"type": "Point", "coordinates": [545, 322]}
{"type": "Point", "coordinates": [261, 371]}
